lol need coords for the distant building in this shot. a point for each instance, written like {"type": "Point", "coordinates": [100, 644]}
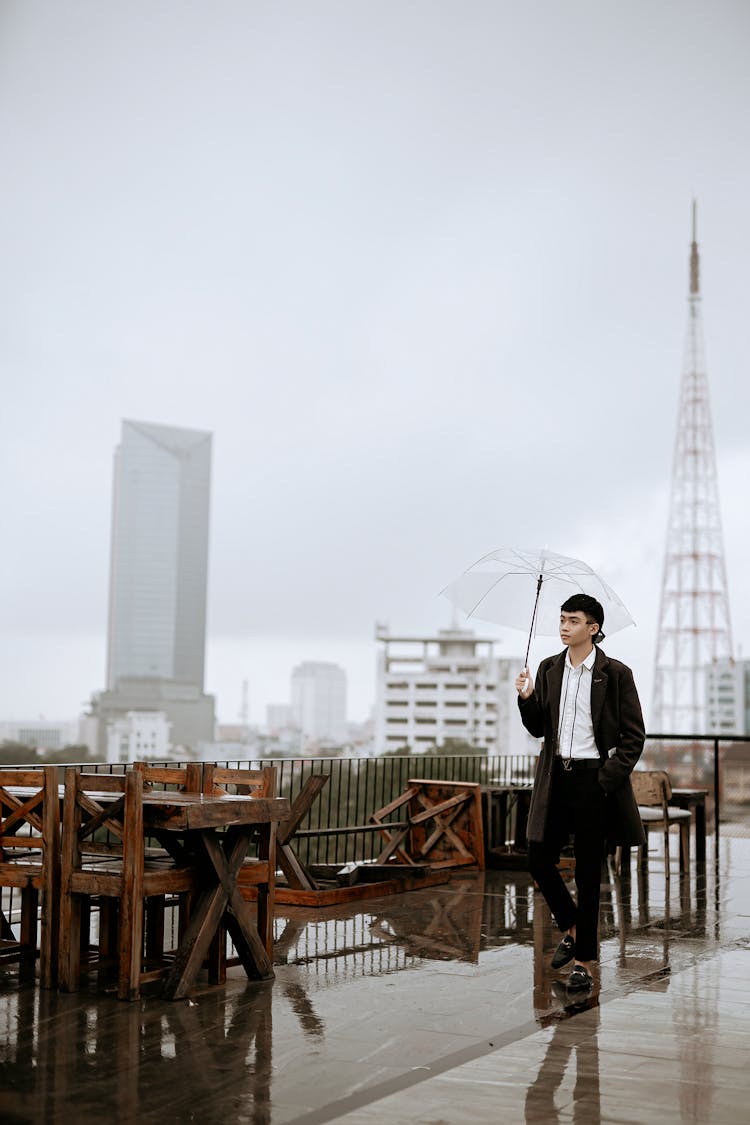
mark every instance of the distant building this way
{"type": "Point", "coordinates": [319, 701]}
{"type": "Point", "coordinates": [138, 736]}
{"type": "Point", "coordinates": [728, 697]}
{"type": "Point", "coordinates": [279, 717]}
{"type": "Point", "coordinates": [449, 686]}
{"type": "Point", "coordinates": [40, 734]}
{"type": "Point", "coordinates": [232, 732]}
{"type": "Point", "coordinates": [190, 713]}
{"type": "Point", "coordinates": [361, 735]}
{"type": "Point", "coordinates": [158, 582]}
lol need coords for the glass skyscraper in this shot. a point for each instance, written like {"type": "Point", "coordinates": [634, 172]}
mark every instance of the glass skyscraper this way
{"type": "Point", "coordinates": [159, 560]}
{"type": "Point", "coordinates": [158, 580]}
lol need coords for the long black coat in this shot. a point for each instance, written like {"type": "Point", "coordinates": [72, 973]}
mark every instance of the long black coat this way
{"type": "Point", "coordinates": [618, 732]}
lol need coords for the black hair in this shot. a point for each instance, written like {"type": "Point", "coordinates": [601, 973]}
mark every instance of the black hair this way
{"type": "Point", "coordinates": [584, 603]}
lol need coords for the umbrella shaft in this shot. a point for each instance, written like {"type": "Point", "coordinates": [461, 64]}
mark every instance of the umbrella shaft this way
{"type": "Point", "coordinates": [533, 619]}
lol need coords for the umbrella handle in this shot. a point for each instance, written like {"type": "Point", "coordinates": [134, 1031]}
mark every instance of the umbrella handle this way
{"type": "Point", "coordinates": [533, 619]}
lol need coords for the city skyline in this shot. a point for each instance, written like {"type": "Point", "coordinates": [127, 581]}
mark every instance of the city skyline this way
{"type": "Point", "coordinates": [413, 271]}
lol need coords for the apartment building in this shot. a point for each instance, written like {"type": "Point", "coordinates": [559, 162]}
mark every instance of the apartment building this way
{"type": "Point", "coordinates": [450, 685]}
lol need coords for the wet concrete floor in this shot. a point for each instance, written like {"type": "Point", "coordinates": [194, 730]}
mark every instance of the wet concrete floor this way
{"type": "Point", "coordinates": [433, 1007]}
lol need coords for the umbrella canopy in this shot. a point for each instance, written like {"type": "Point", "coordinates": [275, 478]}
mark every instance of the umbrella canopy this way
{"type": "Point", "coordinates": [525, 589]}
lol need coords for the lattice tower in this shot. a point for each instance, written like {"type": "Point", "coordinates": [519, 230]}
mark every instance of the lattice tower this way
{"type": "Point", "coordinates": [694, 623]}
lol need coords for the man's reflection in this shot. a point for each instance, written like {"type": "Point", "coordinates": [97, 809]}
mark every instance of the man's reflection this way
{"type": "Point", "coordinates": [570, 1037]}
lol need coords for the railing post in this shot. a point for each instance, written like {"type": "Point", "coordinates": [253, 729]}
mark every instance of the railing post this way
{"type": "Point", "coordinates": [717, 799]}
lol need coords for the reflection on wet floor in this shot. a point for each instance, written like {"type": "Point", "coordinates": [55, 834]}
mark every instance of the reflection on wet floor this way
{"type": "Point", "coordinates": [381, 1008]}
{"type": "Point", "coordinates": [564, 1043]}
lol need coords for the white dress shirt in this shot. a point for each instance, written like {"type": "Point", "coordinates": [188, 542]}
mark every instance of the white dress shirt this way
{"type": "Point", "coordinates": [575, 735]}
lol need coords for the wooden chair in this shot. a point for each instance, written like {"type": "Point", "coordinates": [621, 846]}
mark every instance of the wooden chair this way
{"type": "Point", "coordinates": [186, 779]}
{"type": "Point", "coordinates": [257, 876]}
{"type": "Point", "coordinates": [116, 872]}
{"type": "Point", "coordinates": [181, 779]}
{"type": "Point", "coordinates": [30, 863]}
{"type": "Point", "coordinates": [653, 792]}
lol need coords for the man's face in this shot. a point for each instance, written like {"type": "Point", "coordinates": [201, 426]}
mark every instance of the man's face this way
{"type": "Point", "coordinates": [576, 630]}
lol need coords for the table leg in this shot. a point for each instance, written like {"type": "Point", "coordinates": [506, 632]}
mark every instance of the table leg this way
{"type": "Point", "coordinates": [210, 908]}
{"type": "Point", "coordinates": [700, 832]}
{"type": "Point", "coordinates": [251, 949]}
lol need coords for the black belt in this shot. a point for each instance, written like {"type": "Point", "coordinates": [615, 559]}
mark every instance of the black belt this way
{"type": "Point", "coordinates": [578, 763]}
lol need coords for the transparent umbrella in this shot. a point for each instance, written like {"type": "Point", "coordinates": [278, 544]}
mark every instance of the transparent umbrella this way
{"type": "Point", "coordinates": [525, 589]}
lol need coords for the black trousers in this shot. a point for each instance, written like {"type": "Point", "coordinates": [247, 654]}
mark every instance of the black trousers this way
{"type": "Point", "coordinates": [577, 809]}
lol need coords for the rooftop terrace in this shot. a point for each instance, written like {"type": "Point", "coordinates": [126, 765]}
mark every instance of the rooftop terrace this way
{"type": "Point", "coordinates": [434, 1006]}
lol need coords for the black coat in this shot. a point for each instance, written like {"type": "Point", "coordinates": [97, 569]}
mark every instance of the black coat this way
{"type": "Point", "coordinates": [618, 732]}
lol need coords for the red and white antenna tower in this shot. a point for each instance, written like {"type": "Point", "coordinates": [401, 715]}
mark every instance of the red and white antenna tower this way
{"type": "Point", "coordinates": [694, 623]}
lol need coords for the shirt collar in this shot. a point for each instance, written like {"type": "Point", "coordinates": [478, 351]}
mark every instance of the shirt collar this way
{"type": "Point", "coordinates": [587, 663]}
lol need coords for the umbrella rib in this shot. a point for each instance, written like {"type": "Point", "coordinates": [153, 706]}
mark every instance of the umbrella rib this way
{"type": "Point", "coordinates": [508, 574]}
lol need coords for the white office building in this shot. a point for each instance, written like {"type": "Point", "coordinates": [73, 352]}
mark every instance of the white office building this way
{"type": "Point", "coordinates": [728, 697]}
{"type": "Point", "coordinates": [41, 734]}
{"type": "Point", "coordinates": [138, 736]}
{"type": "Point", "coordinates": [319, 701]}
{"type": "Point", "coordinates": [449, 686]}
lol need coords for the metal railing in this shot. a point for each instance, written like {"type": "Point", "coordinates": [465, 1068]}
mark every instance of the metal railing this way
{"type": "Point", "coordinates": [337, 829]}
{"type": "Point", "coordinates": [718, 763]}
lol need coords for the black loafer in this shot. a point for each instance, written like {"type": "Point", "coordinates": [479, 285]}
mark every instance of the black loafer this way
{"type": "Point", "coordinates": [565, 952]}
{"type": "Point", "coordinates": [579, 980]}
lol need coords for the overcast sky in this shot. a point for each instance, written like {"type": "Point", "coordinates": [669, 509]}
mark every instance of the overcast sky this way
{"type": "Point", "coordinates": [420, 266]}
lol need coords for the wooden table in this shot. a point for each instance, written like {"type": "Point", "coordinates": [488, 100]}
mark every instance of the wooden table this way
{"type": "Point", "coordinates": [695, 801]}
{"type": "Point", "coordinates": [214, 832]}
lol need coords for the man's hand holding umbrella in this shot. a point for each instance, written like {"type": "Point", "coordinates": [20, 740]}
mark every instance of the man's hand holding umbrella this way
{"type": "Point", "coordinates": [524, 683]}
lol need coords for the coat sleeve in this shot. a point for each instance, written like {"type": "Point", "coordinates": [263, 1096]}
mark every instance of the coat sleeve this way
{"type": "Point", "coordinates": [632, 736]}
{"type": "Point", "coordinates": [532, 713]}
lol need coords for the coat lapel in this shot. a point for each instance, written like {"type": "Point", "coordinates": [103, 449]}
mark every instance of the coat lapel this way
{"type": "Point", "coordinates": [554, 686]}
{"type": "Point", "coordinates": [598, 687]}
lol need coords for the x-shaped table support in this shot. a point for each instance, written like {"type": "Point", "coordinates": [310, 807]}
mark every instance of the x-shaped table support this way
{"type": "Point", "coordinates": [218, 900]}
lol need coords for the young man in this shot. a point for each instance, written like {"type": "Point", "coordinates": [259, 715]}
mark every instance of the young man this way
{"type": "Point", "coordinates": [586, 708]}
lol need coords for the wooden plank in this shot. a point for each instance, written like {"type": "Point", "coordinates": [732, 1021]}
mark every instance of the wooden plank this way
{"type": "Point", "coordinates": [378, 816]}
{"type": "Point", "coordinates": [69, 950]}
{"type": "Point", "coordinates": [375, 872]}
{"type": "Point", "coordinates": [333, 896]}
{"type": "Point", "coordinates": [195, 811]}
{"type": "Point", "coordinates": [443, 830]}
{"type": "Point", "coordinates": [131, 893]}
{"type": "Point", "coordinates": [297, 874]}
{"type": "Point", "coordinates": [393, 846]}
{"type": "Point", "coordinates": [436, 810]}
{"type": "Point", "coordinates": [301, 806]}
